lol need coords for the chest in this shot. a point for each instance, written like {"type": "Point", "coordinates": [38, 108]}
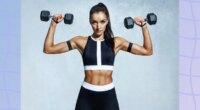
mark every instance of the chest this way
{"type": "Point", "coordinates": [98, 53]}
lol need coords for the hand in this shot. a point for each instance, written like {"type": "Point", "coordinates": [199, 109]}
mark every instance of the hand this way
{"type": "Point", "coordinates": [139, 21]}
{"type": "Point", "coordinates": [57, 18]}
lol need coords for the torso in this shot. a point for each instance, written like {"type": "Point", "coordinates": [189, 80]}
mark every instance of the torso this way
{"type": "Point", "coordinates": [96, 77]}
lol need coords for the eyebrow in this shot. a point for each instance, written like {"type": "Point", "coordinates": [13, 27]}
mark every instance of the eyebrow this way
{"type": "Point", "coordinates": [100, 20]}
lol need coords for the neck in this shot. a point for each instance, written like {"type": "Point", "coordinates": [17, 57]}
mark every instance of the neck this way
{"type": "Point", "coordinates": [98, 37]}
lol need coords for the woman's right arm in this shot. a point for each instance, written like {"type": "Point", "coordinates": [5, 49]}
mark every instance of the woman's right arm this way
{"type": "Point", "coordinates": [49, 46]}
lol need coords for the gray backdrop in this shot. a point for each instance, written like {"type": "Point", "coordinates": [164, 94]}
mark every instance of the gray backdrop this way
{"type": "Point", "coordinates": [52, 82]}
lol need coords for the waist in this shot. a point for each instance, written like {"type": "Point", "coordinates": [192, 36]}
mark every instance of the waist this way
{"type": "Point", "coordinates": [98, 88]}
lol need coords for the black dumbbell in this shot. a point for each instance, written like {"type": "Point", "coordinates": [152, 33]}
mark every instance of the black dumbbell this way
{"type": "Point", "coordinates": [45, 16]}
{"type": "Point", "coordinates": [151, 20]}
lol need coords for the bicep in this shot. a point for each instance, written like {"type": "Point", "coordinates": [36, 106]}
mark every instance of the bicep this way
{"type": "Point", "coordinates": [63, 46]}
{"type": "Point", "coordinates": [125, 45]}
{"type": "Point", "coordinates": [57, 48]}
{"type": "Point", "coordinates": [138, 50]}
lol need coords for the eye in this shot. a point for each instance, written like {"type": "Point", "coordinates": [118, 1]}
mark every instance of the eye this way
{"type": "Point", "coordinates": [93, 22]}
{"type": "Point", "coordinates": [103, 21]}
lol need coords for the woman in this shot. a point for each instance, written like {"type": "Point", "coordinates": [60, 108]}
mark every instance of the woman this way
{"type": "Point", "coordinates": [98, 52]}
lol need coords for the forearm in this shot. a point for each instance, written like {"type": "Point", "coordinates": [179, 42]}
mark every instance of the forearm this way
{"type": "Point", "coordinates": [49, 41]}
{"type": "Point", "coordinates": [147, 43]}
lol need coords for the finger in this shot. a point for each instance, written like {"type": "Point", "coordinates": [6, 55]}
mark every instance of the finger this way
{"type": "Point", "coordinates": [137, 18]}
{"type": "Point", "coordinates": [137, 21]}
{"type": "Point", "coordinates": [55, 18]}
{"type": "Point", "coordinates": [59, 17]}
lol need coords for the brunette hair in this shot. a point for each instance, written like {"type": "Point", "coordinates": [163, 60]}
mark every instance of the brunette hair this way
{"type": "Point", "coordinates": [108, 34]}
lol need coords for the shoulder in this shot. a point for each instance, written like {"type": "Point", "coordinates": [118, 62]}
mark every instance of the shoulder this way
{"type": "Point", "coordinates": [119, 40]}
{"type": "Point", "coordinates": [79, 37]}
{"type": "Point", "coordinates": [79, 40]}
{"type": "Point", "coordinates": [121, 43]}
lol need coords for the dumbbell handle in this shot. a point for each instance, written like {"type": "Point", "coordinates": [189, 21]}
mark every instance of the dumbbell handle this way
{"type": "Point", "coordinates": [51, 16]}
{"type": "Point", "coordinates": [54, 16]}
{"type": "Point", "coordinates": [144, 20]}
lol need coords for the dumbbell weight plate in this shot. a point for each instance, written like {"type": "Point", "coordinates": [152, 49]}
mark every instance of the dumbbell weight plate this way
{"type": "Point", "coordinates": [44, 15]}
{"type": "Point", "coordinates": [151, 18]}
{"type": "Point", "coordinates": [68, 19]}
{"type": "Point", "coordinates": [128, 22]}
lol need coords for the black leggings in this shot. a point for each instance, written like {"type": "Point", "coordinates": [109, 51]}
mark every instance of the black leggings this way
{"type": "Point", "coordinates": [92, 100]}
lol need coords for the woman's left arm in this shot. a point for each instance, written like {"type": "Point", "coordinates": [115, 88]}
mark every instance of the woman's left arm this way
{"type": "Point", "coordinates": [145, 49]}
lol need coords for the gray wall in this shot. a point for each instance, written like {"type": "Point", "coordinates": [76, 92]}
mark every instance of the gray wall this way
{"type": "Point", "coordinates": [52, 82]}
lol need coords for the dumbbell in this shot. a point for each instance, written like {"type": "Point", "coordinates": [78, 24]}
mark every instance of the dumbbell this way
{"type": "Point", "coordinates": [45, 16]}
{"type": "Point", "coordinates": [151, 20]}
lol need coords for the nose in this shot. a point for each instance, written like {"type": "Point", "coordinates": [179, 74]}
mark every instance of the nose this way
{"type": "Point", "coordinates": [98, 26]}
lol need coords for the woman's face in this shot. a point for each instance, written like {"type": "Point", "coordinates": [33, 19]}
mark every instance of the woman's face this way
{"type": "Point", "coordinates": [98, 22]}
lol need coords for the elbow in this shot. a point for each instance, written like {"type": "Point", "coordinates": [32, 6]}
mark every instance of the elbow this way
{"type": "Point", "coordinates": [47, 51]}
{"type": "Point", "coordinates": [149, 53]}
{"type": "Point", "coordinates": [44, 51]}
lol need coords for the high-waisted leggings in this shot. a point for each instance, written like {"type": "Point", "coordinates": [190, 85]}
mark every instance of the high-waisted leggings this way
{"type": "Point", "coordinates": [97, 100]}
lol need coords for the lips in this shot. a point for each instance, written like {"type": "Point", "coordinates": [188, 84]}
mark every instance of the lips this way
{"type": "Point", "coordinates": [99, 31]}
